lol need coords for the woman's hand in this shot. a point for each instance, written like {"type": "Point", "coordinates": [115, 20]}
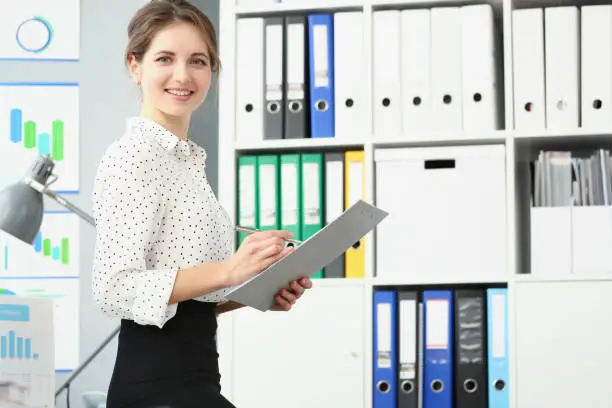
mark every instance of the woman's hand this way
{"type": "Point", "coordinates": [286, 297]}
{"type": "Point", "coordinates": [256, 253]}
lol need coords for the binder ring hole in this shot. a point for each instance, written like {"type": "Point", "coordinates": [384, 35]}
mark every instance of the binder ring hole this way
{"type": "Point", "coordinates": [528, 107]}
{"type": "Point", "coordinates": [499, 385]}
{"type": "Point", "coordinates": [470, 385]}
{"type": "Point", "coordinates": [437, 385]}
{"type": "Point", "coordinates": [295, 107]}
{"type": "Point", "coordinates": [416, 101]}
{"type": "Point", "coordinates": [597, 103]}
{"type": "Point", "coordinates": [386, 102]}
{"type": "Point", "coordinates": [383, 387]}
{"type": "Point", "coordinates": [249, 107]}
{"type": "Point", "coordinates": [273, 107]}
{"type": "Point", "coordinates": [477, 97]}
{"type": "Point", "coordinates": [321, 105]}
{"type": "Point", "coordinates": [349, 103]}
{"type": "Point", "coordinates": [356, 245]}
{"type": "Point", "coordinates": [289, 245]}
{"type": "Point", "coordinates": [407, 387]}
{"type": "Point", "coordinates": [561, 105]}
{"type": "Point", "coordinates": [447, 99]}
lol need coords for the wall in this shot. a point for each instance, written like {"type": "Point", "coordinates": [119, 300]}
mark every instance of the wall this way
{"type": "Point", "coordinates": [108, 97]}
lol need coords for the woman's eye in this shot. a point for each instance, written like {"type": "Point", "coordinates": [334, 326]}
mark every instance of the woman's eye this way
{"type": "Point", "coordinates": [163, 59]}
{"type": "Point", "coordinates": [200, 62]}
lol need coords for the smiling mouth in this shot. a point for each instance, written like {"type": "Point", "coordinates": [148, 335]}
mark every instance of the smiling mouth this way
{"type": "Point", "coordinates": [180, 92]}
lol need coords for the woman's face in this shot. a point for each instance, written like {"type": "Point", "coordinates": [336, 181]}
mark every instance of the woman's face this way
{"type": "Point", "coordinates": [174, 74]}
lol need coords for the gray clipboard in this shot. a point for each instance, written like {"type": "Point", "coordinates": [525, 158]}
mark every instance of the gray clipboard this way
{"type": "Point", "coordinates": [306, 259]}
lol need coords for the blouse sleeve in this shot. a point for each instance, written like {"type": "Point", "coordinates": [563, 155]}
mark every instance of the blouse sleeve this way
{"type": "Point", "coordinates": [128, 211]}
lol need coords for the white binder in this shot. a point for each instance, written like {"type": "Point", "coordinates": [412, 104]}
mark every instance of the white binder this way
{"type": "Point", "coordinates": [479, 68]}
{"type": "Point", "coordinates": [249, 79]}
{"type": "Point", "coordinates": [416, 70]}
{"type": "Point", "coordinates": [446, 68]}
{"type": "Point", "coordinates": [561, 34]}
{"type": "Point", "coordinates": [387, 93]}
{"type": "Point", "coordinates": [596, 66]}
{"type": "Point", "coordinates": [528, 69]}
{"type": "Point", "coordinates": [349, 76]}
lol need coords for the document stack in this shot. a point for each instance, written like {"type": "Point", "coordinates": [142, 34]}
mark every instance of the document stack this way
{"type": "Point", "coordinates": [303, 192]}
{"type": "Point", "coordinates": [440, 348]}
{"type": "Point", "coordinates": [562, 64]}
{"type": "Point", "coordinates": [571, 214]}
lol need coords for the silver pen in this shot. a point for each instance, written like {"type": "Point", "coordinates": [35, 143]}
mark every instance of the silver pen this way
{"type": "Point", "coordinates": [249, 230]}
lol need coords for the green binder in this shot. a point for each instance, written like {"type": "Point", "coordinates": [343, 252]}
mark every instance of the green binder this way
{"type": "Point", "coordinates": [312, 196]}
{"type": "Point", "coordinates": [247, 180]}
{"type": "Point", "coordinates": [291, 194]}
{"type": "Point", "coordinates": [268, 188]}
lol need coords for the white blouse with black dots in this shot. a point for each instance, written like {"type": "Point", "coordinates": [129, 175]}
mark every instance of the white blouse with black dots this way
{"type": "Point", "coordinates": [155, 213]}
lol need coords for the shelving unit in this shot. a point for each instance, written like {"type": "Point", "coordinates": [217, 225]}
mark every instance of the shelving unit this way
{"type": "Point", "coordinates": [520, 147]}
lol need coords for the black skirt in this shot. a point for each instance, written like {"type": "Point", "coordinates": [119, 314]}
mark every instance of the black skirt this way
{"type": "Point", "coordinates": [172, 367]}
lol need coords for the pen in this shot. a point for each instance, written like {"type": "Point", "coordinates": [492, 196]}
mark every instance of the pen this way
{"type": "Point", "coordinates": [249, 230]}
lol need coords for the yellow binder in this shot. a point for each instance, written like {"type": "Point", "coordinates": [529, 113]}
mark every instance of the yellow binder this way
{"type": "Point", "coordinates": [354, 187]}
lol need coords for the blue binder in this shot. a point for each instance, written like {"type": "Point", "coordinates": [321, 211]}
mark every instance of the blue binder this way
{"type": "Point", "coordinates": [497, 345]}
{"type": "Point", "coordinates": [321, 67]}
{"type": "Point", "coordinates": [385, 349]}
{"type": "Point", "coordinates": [438, 352]}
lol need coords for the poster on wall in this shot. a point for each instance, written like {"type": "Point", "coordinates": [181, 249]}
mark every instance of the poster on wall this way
{"type": "Point", "coordinates": [40, 30]}
{"type": "Point", "coordinates": [27, 377]}
{"type": "Point", "coordinates": [39, 118]}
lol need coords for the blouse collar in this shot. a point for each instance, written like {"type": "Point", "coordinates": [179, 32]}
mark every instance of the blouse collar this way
{"type": "Point", "coordinates": [163, 136]}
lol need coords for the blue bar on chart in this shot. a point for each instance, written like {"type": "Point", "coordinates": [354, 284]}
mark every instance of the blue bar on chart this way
{"type": "Point", "coordinates": [12, 346]}
{"type": "Point", "coordinates": [28, 348]}
{"type": "Point", "coordinates": [16, 125]}
{"type": "Point", "coordinates": [56, 253]}
{"type": "Point", "coordinates": [44, 144]}
{"type": "Point", "coordinates": [38, 242]}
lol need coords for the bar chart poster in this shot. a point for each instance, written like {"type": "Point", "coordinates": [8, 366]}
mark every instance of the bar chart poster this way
{"type": "Point", "coordinates": [27, 375]}
{"type": "Point", "coordinates": [64, 292]}
{"type": "Point", "coordinates": [40, 30]}
{"type": "Point", "coordinates": [54, 252]}
{"type": "Point", "coordinates": [40, 119]}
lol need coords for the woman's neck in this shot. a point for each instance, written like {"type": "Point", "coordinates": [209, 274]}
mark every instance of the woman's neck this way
{"type": "Point", "coordinates": [177, 125]}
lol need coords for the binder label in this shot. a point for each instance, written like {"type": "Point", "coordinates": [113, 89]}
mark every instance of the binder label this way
{"type": "Point", "coordinates": [437, 318]}
{"type": "Point", "coordinates": [312, 210]}
{"type": "Point", "coordinates": [383, 333]}
{"type": "Point", "coordinates": [267, 196]}
{"type": "Point", "coordinates": [321, 78]}
{"type": "Point", "coordinates": [247, 195]}
{"type": "Point", "coordinates": [499, 328]}
{"type": "Point", "coordinates": [289, 187]}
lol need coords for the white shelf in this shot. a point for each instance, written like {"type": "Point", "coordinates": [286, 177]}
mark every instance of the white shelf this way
{"type": "Point", "coordinates": [439, 280]}
{"type": "Point", "coordinates": [300, 144]}
{"type": "Point", "coordinates": [297, 6]}
{"type": "Point", "coordinates": [529, 278]}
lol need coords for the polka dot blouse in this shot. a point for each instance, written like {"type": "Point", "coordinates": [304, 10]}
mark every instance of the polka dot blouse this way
{"type": "Point", "coordinates": [155, 213]}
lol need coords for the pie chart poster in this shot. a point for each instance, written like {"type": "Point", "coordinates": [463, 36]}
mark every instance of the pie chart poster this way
{"type": "Point", "coordinates": [40, 30]}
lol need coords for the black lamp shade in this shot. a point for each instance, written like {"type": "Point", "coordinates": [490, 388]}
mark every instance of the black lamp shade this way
{"type": "Point", "coordinates": [21, 211]}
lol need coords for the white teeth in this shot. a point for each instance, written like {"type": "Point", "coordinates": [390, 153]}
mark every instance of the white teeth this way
{"type": "Point", "coordinates": [180, 93]}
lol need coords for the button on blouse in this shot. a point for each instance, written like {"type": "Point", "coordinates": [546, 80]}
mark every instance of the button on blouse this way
{"type": "Point", "coordinates": [155, 214]}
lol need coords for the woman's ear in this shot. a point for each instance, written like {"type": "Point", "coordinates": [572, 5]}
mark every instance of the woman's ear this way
{"type": "Point", "coordinates": [134, 67]}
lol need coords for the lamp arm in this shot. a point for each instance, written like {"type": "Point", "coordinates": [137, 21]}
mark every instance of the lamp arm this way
{"type": "Point", "coordinates": [51, 194]}
{"type": "Point", "coordinates": [73, 208]}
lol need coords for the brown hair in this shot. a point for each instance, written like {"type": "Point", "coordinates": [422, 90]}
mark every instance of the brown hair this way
{"type": "Point", "coordinates": [156, 15]}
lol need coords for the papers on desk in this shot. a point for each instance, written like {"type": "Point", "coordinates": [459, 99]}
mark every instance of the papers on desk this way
{"type": "Point", "coordinates": [308, 258]}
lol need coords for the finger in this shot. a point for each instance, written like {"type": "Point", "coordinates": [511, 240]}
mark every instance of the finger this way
{"type": "Point", "coordinates": [282, 303]}
{"type": "Point", "coordinates": [266, 262]}
{"type": "Point", "coordinates": [305, 282]}
{"type": "Point", "coordinates": [297, 288]}
{"type": "Point", "coordinates": [288, 296]}
{"type": "Point", "coordinates": [269, 247]}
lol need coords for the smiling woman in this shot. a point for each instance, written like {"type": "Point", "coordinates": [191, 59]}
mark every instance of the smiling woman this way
{"type": "Point", "coordinates": [164, 256]}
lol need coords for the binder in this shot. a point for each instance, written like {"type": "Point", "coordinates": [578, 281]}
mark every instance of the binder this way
{"type": "Point", "coordinates": [478, 68]}
{"type": "Point", "coordinates": [274, 93]}
{"type": "Point", "coordinates": [596, 65]}
{"type": "Point", "coordinates": [408, 377]}
{"type": "Point", "coordinates": [415, 69]}
{"type": "Point", "coordinates": [349, 63]}
{"type": "Point", "coordinates": [528, 69]}
{"type": "Point", "coordinates": [269, 195]}
{"type": "Point", "coordinates": [470, 348]}
{"type": "Point", "coordinates": [312, 196]}
{"type": "Point", "coordinates": [386, 65]}
{"type": "Point", "coordinates": [291, 194]}
{"type": "Point", "coordinates": [297, 120]}
{"type": "Point", "coordinates": [385, 345]}
{"type": "Point", "coordinates": [248, 195]}
{"type": "Point", "coordinates": [562, 66]}
{"type": "Point", "coordinates": [497, 344]}
{"type": "Point", "coordinates": [438, 354]}
{"type": "Point", "coordinates": [446, 76]}
{"type": "Point", "coordinates": [354, 187]}
{"type": "Point", "coordinates": [334, 203]}
{"type": "Point", "coordinates": [321, 64]}
{"type": "Point", "coordinates": [249, 79]}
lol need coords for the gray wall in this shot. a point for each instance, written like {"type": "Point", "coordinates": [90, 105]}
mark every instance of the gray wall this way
{"type": "Point", "coordinates": [108, 97]}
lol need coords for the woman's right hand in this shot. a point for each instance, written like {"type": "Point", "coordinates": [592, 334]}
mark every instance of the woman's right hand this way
{"type": "Point", "coordinates": [256, 253]}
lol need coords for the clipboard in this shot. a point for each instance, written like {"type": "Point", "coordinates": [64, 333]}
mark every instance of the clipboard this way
{"type": "Point", "coordinates": [316, 252]}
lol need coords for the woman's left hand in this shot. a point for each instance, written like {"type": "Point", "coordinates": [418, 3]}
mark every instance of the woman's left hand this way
{"type": "Point", "coordinates": [286, 297]}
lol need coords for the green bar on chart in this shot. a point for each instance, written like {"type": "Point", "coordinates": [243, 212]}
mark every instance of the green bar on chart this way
{"type": "Point", "coordinates": [65, 252]}
{"type": "Point", "coordinates": [29, 137]}
{"type": "Point", "coordinates": [47, 247]}
{"type": "Point", "coordinates": [57, 151]}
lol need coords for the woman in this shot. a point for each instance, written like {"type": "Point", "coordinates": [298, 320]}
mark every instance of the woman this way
{"type": "Point", "coordinates": [163, 258]}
